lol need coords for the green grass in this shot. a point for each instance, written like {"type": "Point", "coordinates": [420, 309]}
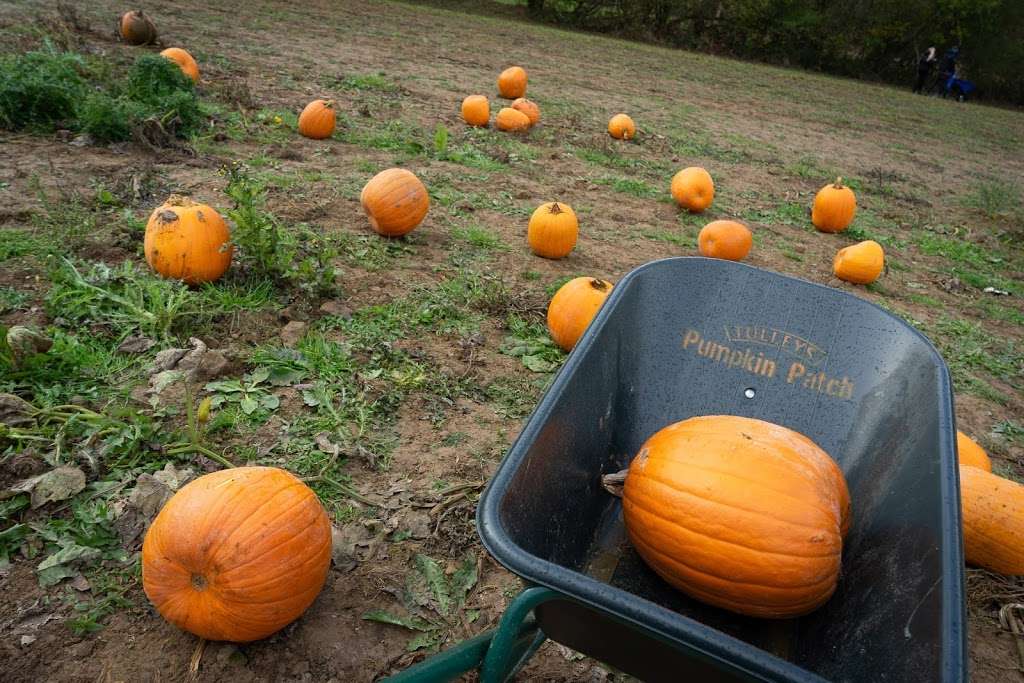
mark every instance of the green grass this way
{"type": "Point", "coordinates": [786, 213]}
{"type": "Point", "coordinates": [632, 186]}
{"type": "Point", "coordinates": [11, 299]}
{"type": "Point", "coordinates": [479, 237]}
{"type": "Point", "coordinates": [993, 198]}
{"type": "Point", "coordinates": [972, 352]}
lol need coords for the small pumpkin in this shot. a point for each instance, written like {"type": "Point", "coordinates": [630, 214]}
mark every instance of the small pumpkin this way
{"type": "Point", "coordinates": [183, 59]}
{"type": "Point", "coordinates": [730, 240]}
{"type": "Point", "coordinates": [971, 453]}
{"type": "Point", "coordinates": [512, 83]}
{"type": "Point", "coordinates": [621, 127]}
{"type": "Point", "coordinates": [835, 205]}
{"type": "Point", "coordinates": [136, 28]}
{"type": "Point", "coordinates": [511, 120]}
{"type": "Point", "coordinates": [318, 119]}
{"type": "Point", "coordinates": [553, 230]}
{"type": "Point", "coordinates": [395, 201]}
{"type": "Point", "coordinates": [993, 521]}
{"type": "Point", "coordinates": [572, 308]}
{"type": "Point", "coordinates": [237, 554]}
{"type": "Point", "coordinates": [693, 189]}
{"type": "Point", "coordinates": [859, 263]}
{"type": "Point", "coordinates": [738, 513]}
{"type": "Point", "coordinates": [528, 107]}
{"type": "Point", "coordinates": [187, 241]}
{"type": "Point", "coordinates": [476, 110]}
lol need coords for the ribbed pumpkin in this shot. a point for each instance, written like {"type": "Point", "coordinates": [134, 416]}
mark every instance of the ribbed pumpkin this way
{"type": "Point", "coordinates": [621, 126]}
{"type": "Point", "coordinates": [528, 107]}
{"type": "Point", "coordinates": [318, 119]}
{"type": "Point", "coordinates": [971, 453]}
{"type": "Point", "coordinates": [511, 120]}
{"type": "Point", "coordinates": [476, 110]}
{"type": "Point", "coordinates": [730, 240]}
{"type": "Point", "coordinates": [512, 83]}
{"type": "Point", "coordinates": [553, 230]}
{"type": "Point", "coordinates": [693, 189]}
{"type": "Point", "coordinates": [834, 207]}
{"type": "Point", "coordinates": [238, 554]}
{"type": "Point", "coordinates": [184, 60]}
{"type": "Point", "coordinates": [187, 241]}
{"type": "Point", "coordinates": [859, 263]}
{"type": "Point", "coordinates": [572, 308]}
{"type": "Point", "coordinates": [395, 201]}
{"type": "Point", "coordinates": [993, 520]}
{"type": "Point", "coordinates": [738, 513]}
{"type": "Point", "coordinates": [135, 28]}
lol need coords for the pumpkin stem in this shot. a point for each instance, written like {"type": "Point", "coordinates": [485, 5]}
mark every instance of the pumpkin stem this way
{"type": "Point", "coordinates": [555, 208]}
{"type": "Point", "coordinates": [599, 285]}
{"type": "Point", "coordinates": [613, 483]}
{"type": "Point", "coordinates": [329, 104]}
{"type": "Point", "coordinates": [179, 200]}
{"type": "Point", "coordinates": [839, 183]}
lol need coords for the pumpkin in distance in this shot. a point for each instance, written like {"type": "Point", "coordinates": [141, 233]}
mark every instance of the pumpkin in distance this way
{"type": "Point", "coordinates": [528, 107]}
{"type": "Point", "coordinates": [512, 83]}
{"type": "Point", "coordinates": [971, 453]}
{"type": "Point", "coordinates": [511, 120]}
{"type": "Point", "coordinates": [395, 201]}
{"type": "Point", "coordinates": [730, 240]}
{"type": "Point", "coordinates": [135, 28]}
{"type": "Point", "coordinates": [476, 110]}
{"type": "Point", "coordinates": [834, 207]}
{"type": "Point", "coordinates": [184, 60]}
{"type": "Point", "coordinates": [693, 189]}
{"type": "Point", "coordinates": [187, 241]}
{"type": "Point", "coordinates": [993, 519]}
{"type": "Point", "coordinates": [238, 554]}
{"type": "Point", "coordinates": [318, 119]}
{"type": "Point", "coordinates": [738, 513]}
{"type": "Point", "coordinates": [859, 263]}
{"type": "Point", "coordinates": [621, 127]}
{"type": "Point", "coordinates": [553, 230]}
{"type": "Point", "coordinates": [572, 308]}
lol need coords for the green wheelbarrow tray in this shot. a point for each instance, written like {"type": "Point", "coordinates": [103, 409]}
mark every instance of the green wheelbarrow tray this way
{"type": "Point", "coordinates": [692, 336]}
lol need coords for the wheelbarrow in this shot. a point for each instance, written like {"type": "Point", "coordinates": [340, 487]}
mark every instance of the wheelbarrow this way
{"type": "Point", "coordinates": [692, 336]}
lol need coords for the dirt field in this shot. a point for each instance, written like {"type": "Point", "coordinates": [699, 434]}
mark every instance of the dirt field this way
{"type": "Point", "coordinates": [412, 343]}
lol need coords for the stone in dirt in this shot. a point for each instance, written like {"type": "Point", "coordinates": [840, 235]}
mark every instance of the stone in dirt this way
{"type": "Point", "coordinates": [293, 332]}
{"type": "Point", "coordinates": [14, 411]}
{"type": "Point", "coordinates": [336, 307]}
{"type": "Point", "coordinates": [135, 344]}
{"type": "Point", "coordinates": [151, 493]}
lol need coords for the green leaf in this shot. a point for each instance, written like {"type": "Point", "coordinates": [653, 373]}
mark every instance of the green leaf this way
{"type": "Point", "coordinates": [270, 402]}
{"type": "Point", "coordinates": [424, 640]}
{"type": "Point", "coordinates": [411, 623]}
{"type": "Point", "coordinates": [310, 398]}
{"type": "Point", "coordinates": [464, 578]}
{"type": "Point", "coordinates": [441, 139]}
{"type": "Point", "coordinates": [258, 375]}
{"type": "Point", "coordinates": [228, 386]}
{"type": "Point", "coordinates": [283, 377]}
{"type": "Point", "coordinates": [54, 575]}
{"type": "Point", "coordinates": [538, 364]}
{"type": "Point", "coordinates": [436, 581]}
{"type": "Point", "coordinates": [249, 405]}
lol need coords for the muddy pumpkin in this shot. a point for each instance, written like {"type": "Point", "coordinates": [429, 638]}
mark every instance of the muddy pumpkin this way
{"type": "Point", "coordinates": [318, 119]}
{"type": "Point", "coordinates": [553, 230]}
{"type": "Point", "coordinates": [512, 83]}
{"type": "Point", "coordinates": [573, 307]}
{"type": "Point", "coordinates": [738, 513]}
{"type": "Point", "coordinates": [834, 207]}
{"type": "Point", "coordinates": [395, 201]}
{"type": "Point", "coordinates": [184, 60]}
{"type": "Point", "coordinates": [136, 28]}
{"type": "Point", "coordinates": [476, 110]}
{"type": "Point", "coordinates": [237, 555]}
{"type": "Point", "coordinates": [187, 241]}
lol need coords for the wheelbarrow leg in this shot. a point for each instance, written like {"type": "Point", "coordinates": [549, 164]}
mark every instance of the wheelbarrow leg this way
{"type": "Point", "coordinates": [498, 653]}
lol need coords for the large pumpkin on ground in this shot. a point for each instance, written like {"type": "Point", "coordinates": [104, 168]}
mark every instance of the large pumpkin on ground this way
{"type": "Point", "coordinates": [859, 263]}
{"type": "Point", "coordinates": [553, 230]}
{"type": "Point", "coordinates": [476, 110]}
{"type": "Point", "coordinates": [993, 520]}
{"type": "Point", "coordinates": [512, 82]}
{"type": "Point", "coordinates": [395, 201]}
{"type": "Point", "coordinates": [511, 120]}
{"type": "Point", "coordinates": [135, 28]}
{"type": "Point", "coordinates": [184, 60]}
{"type": "Point", "coordinates": [187, 241]}
{"type": "Point", "coordinates": [238, 554]}
{"type": "Point", "coordinates": [693, 189]}
{"type": "Point", "coordinates": [573, 307]}
{"type": "Point", "coordinates": [621, 126]}
{"type": "Point", "coordinates": [528, 107]}
{"type": "Point", "coordinates": [318, 119]}
{"type": "Point", "coordinates": [971, 453]}
{"type": "Point", "coordinates": [834, 207]}
{"type": "Point", "coordinates": [729, 240]}
{"type": "Point", "coordinates": [738, 513]}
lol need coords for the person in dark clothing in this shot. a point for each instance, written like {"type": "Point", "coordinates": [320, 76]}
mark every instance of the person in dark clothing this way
{"type": "Point", "coordinates": [924, 68]}
{"type": "Point", "coordinates": [947, 69]}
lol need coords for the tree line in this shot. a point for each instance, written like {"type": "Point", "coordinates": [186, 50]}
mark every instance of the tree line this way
{"type": "Point", "coordinates": [873, 39]}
